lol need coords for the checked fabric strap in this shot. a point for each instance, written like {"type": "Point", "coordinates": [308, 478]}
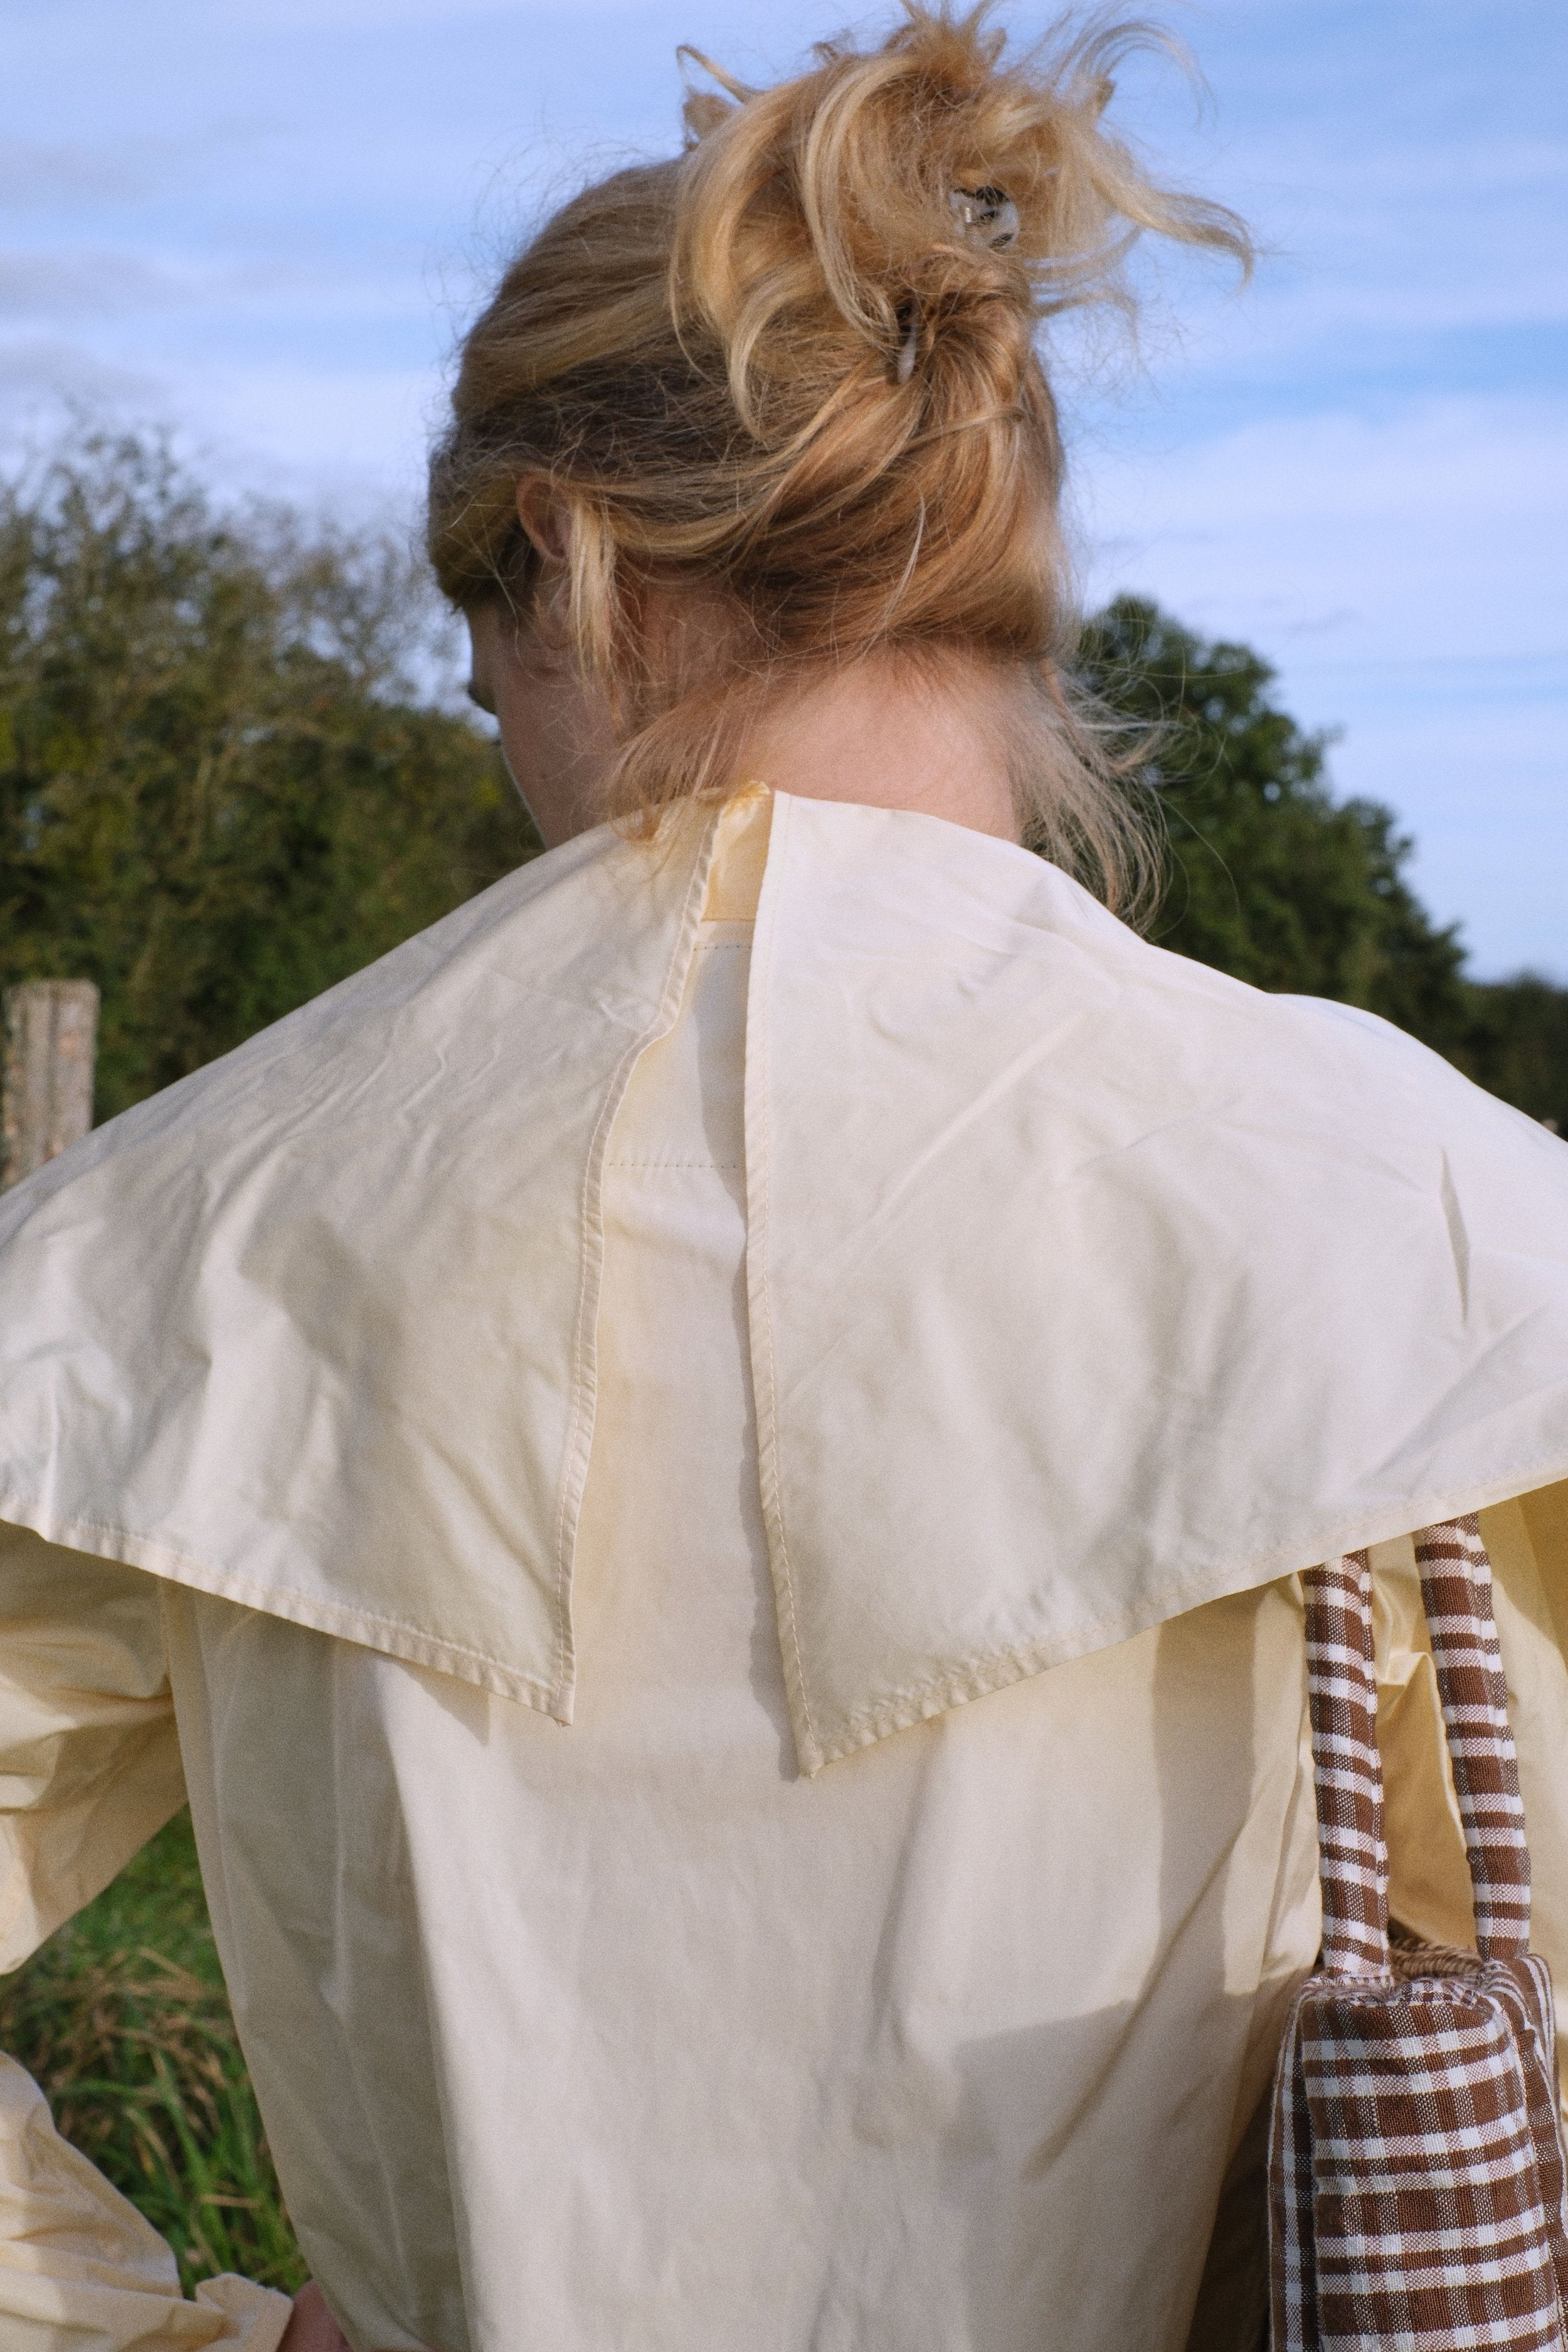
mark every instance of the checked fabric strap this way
{"type": "Point", "coordinates": [1416, 2173]}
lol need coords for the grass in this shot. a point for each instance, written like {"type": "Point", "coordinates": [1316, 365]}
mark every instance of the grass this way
{"type": "Point", "coordinates": [121, 2017]}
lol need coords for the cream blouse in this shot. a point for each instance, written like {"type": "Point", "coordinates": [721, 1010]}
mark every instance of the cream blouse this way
{"type": "Point", "coordinates": [635, 2036]}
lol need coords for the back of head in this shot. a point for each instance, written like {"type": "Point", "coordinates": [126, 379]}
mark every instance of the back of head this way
{"type": "Point", "coordinates": [793, 373]}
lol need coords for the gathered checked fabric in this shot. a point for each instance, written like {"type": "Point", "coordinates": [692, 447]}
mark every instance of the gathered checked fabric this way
{"type": "Point", "coordinates": [1416, 2168]}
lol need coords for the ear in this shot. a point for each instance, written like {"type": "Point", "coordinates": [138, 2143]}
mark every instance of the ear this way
{"type": "Point", "coordinates": [546, 517]}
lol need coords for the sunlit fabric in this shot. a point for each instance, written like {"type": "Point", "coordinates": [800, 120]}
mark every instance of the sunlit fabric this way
{"type": "Point", "coordinates": [647, 2031]}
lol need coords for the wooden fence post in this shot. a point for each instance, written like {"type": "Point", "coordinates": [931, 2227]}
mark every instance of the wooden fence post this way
{"type": "Point", "coordinates": [51, 1046]}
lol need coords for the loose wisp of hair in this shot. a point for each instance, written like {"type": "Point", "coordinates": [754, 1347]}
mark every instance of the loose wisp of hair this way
{"type": "Point", "coordinates": [793, 376]}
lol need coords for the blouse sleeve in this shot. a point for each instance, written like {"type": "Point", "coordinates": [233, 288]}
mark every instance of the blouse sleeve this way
{"type": "Point", "coordinates": [89, 1767]}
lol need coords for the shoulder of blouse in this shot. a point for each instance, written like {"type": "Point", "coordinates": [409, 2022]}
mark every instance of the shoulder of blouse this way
{"type": "Point", "coordinates": [1085, 1283]}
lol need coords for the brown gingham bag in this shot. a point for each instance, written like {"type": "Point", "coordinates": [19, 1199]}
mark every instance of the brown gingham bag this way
{"type": "Point", "coordinates": [1416, 2163]}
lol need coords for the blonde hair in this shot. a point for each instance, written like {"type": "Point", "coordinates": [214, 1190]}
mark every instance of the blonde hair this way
{"type": "Point", "coordinates": [794, 371]}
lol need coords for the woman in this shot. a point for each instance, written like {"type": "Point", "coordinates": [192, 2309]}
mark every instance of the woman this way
{"type": "Point", "coordinates": [790, 1286]}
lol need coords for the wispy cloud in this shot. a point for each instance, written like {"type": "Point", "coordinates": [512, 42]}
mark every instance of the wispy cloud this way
{"type": "Point", "coordinates": [38, 175]}
{"type": "Point", "coordinates": [74, 284]}
{"type": "Point", "coordinates": [273, 17]}
{"type": "Point", "coordinates": [77, 283]}
{"type": "Point", "coordinates": [42, 371]}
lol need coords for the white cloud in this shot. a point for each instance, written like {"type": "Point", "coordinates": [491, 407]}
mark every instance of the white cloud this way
{"type": "Point", "coordinates": [73, 283]}
{"type": "Point", "coordinates": [37, 175]}
{"type": "Point", "coordinates": [268, 17]}
{"type": "Point", "coordinates": [38, 372]}
{"type": "Point", "coordinates": [82, 283]}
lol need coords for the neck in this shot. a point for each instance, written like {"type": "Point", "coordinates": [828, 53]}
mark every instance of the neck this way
{"type": "Point", "coordinates": [889, 737]}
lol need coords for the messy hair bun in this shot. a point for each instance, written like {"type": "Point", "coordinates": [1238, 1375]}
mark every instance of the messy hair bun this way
{"type": "Point", "coordinates": [795, 370]}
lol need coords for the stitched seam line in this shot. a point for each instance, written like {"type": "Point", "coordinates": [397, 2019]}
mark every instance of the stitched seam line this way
{"type": "Point", "coordinates": [759, 1240]}
{"type": "Point", "coordinates": [585, 1347]}
{"type": "Point", "coordinates": [212, 1577]}
{"type": "Point", "coordinates": [1036, 1655]}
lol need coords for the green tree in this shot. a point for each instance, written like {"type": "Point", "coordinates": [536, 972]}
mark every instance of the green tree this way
{"type": "Point", "coordinates": [1516, 1043]}
{"type": "Point", "coordinates": [222, 785]}
{"type": "Point", "coordinates": [1271, 878]}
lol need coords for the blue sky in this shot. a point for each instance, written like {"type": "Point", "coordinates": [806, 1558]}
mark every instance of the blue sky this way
{"type": "Point", "coordinates": [265, 220]}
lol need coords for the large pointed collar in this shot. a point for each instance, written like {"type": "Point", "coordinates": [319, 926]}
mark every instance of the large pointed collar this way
{"type": "Point", "coordinates": [1088, 1285]}
{"type": "Point", "coordinates": [313, 1330]}
{"type": "Point", "coordinates": [1085, 1284]}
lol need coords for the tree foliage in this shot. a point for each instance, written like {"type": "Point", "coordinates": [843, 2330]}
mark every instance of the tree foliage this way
{"type": "Point", "coordinates": [1271, 878]}
{"type": "Point", "coordinates": [221, 785]}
